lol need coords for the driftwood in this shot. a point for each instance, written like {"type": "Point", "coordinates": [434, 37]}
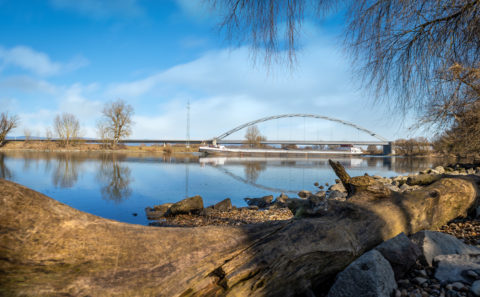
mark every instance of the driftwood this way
{"type": "Point", "coordinates": [48, 248]}
{"type": "Point", "coordinates": [423, 179]}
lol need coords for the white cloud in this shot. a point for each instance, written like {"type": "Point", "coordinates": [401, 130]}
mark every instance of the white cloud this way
{"type": "Point", "coordinates": [28, 85]}
{"type": "Point", "coordinates": [37, 62]}
{"type": "Point", "coordinates": [100, 8]}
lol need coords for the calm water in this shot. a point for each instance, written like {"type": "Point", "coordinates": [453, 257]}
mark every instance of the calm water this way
{"type": "Point", "coordinates": [116, 186]}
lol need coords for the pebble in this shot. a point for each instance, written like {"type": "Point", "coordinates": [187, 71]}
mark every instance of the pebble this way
{"type": "Point", "coordinates": [472, 274]}
{"type": "Point", "coordinates": [475, 289]}
{"type": "Point", "coordinates": [419, 280]}
{"type": "Point", "coordinates": [458, 286]}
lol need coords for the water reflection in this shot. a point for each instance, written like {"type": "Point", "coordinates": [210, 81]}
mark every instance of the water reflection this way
{"type": "Point", "coordinates": [115, 178]}
{"type": "Point", "coordinates": [4, 171]}
{"type": "Point", "coordinates": [65, 173]}
{"type": "Point", "coordinates": [253, 169]}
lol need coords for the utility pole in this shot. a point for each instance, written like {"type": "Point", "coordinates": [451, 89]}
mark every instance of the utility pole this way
{"type": "Point", "coordinates": [188, 124]}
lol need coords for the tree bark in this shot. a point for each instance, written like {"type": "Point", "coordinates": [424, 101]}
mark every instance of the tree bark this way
{"type": "Point", "coordinates": [48, 248]}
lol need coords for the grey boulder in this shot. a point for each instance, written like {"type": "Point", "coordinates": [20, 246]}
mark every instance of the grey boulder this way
{"type": "Point", "coordinates": [433, 244]}
{"type": "Point", "coordinates": [370, 275]}
{"type": "Point", "coordinates": [400, 252]}
{"type": "Point", "coordinates": [185, 206]}
{"type": "Point", "coordinates": [455, 268]}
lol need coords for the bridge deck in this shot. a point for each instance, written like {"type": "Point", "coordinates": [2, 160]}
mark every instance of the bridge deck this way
{"type": "Point", "coordinates": [226, 141]}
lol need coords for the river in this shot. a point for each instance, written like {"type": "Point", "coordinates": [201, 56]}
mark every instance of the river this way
{"type": "Point", "coordinates": [119, 186]}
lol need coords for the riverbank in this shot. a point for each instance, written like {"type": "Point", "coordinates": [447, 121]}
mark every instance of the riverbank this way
{"type": "Point", "coordinates": [51, 146]}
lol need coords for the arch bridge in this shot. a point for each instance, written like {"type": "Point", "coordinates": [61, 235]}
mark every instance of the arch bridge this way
{"type": "Point", "coordinates": [387, 145]}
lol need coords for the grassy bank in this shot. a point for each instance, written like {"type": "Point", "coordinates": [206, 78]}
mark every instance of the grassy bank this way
{"type": "Point", "coordinates": [93, 147]}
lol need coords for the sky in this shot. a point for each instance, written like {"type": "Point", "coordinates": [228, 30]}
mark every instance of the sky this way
{"type": "Point", "coordinates": [75, 56]}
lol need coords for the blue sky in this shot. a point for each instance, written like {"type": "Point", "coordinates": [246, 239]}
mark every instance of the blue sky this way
{"type": "Point", "coordinates": [74, 56]}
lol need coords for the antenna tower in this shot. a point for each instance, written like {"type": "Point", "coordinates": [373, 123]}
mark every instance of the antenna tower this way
{"type": "Point", "coordinates": [188, 124]}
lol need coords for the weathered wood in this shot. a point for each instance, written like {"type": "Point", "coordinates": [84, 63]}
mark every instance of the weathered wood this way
{"type": "Point", "coordinates": [342, 175]}
{"type": "Point", "coordinates": [48, 248]}
{"type": "Point", "coordinates": [423, 179]}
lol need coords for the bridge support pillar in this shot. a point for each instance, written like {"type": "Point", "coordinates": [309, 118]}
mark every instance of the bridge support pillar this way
{"type": "Point", "coordinates": [389, 149]}
{"type": "Point", "coordinates": [214, 141]}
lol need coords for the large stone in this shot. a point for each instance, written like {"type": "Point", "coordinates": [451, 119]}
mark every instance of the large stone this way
{"type": "Point", "coordinates": [189, 205]}
{"type": "Point", "coordinates": [337, 195]}
{"type": "Point", "coordinates": [338, 187]}
{"type": "Point", "coordinates": [162, 207]}
{"type": "Point", "coordinates": [304, 194]}
{"type": "Point", "coordinates": [152, 214]}
{"type": "Point", "coordinates": [370, 275]}
{"type": "Point", "coordinates": [455, 268]}
{"type": "Point", "coordinates": [475, 289]}
{"type": "Point", "coordinates": [440, 169]}
{"type": "Point", "coordinates": [401, 252]}
{"type": "Point", "coordinates": [281, 199]}
{"type": "Point", "coordinates": [224, 205]}
{"type": "Point", "coordinates": [433, 244]}
{"type": "Point", "coordinates": [260, 202]}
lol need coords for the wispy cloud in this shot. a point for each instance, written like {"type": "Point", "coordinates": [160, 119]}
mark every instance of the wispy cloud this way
{"type": "Point", "coordinates": [199, 10]}
{"type": "Point", "coordinates": [101, 8]}
{"type": "Point", "coordinates": [36, 62]}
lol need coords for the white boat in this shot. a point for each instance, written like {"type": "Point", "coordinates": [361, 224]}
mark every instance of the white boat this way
{"type": "Point", "coordinates": [222, 150]}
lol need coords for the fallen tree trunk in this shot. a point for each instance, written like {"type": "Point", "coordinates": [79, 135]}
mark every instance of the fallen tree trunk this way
{"type": "Point", "coordinates": [48, 248]}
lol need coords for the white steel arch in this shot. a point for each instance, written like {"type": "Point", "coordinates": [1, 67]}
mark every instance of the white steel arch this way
{"type": "Point", "coordinates": [299, 115]}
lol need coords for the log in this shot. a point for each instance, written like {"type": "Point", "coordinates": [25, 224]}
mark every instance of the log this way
{"type": "Point", "coordinates": [423, 179]}
{"type": "Point", "coordinates": [342, 175]}
{"type": "Point", "coordinates": [50, 249]}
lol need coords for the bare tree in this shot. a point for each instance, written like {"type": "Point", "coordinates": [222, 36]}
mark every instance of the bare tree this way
{"type": "Point", "coordinates": [7, 124]}
{"type": "Point", "coordinates": [103, 135]}
{"type": "Point", "coordinates": [48, 134]}
{"type": "Point", "coordinates": [27, 133]}
{"type": "Point", "coordinates": [422, 55]}
{"type": "Point", "coordinates": [253, 138]}
{"type": "Point", "coordinates": [117, 122]}
{"type": "Point", "coordinates": [67, 128]}
{"type": "Point", "coordinates": [458, 139]}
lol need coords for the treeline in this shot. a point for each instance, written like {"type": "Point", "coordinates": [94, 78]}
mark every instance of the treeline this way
{"type": "Point", "coordinates": [413, 146]}
{"type": "Point", "coordinates": [114, 125]}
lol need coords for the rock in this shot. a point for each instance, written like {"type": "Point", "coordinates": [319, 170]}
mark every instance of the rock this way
{"type": "Point", "coordinates": [433, 244]}
{"type": "Point", "coordinates": [454, 268]}
{"type": "Point", "coordinates": [472, 274]}
{"type": "Point", "coordinates": [267, 199]}
{"type": "Point", "coordinates": [316, 200]}
{"type": "Point", "coordinates": [475, 288]}
{"type": "Point", "coordinates": [337, 187]}
{"type": "Point", "coordinates": [419, 280]}
{"type": "Point", "coordinates": [458, 286]}
{"type": "Point", "coordinates": [440, 169]}
{"type": "Point", "coordinates": [369, 275]}
{"type": "Point", "coordinates": [189, 205]}
{"type": "Point", "coordinates": [224, 205]}
{"type": "Point", "coordinates": [152, 214]}
{"type": "Point", "coordinates": [162, 207]}
{"type": "Point", "coordinates": [253, 207]}
{"type": "Point", "coordinates": [401, 252]}
{"type": "Point", "coordinates": [304, 194]}
{"type": "Point", "coordinates": [404, 187]}
{"type": "Point", "coordinates": [337, 195]}
{"type": "Point", "coordinates": [321, 194]}
{"type": "Point", "coordinates": [281, 199]}
{"type": "Point", "coordinates": [316, 184]}
{"type": "Point", "coordinates": [260, 202]}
